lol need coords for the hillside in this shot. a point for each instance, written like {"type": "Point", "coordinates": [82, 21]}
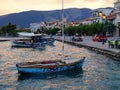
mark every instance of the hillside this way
{"type": "Point", "coordinates": [23, 19]}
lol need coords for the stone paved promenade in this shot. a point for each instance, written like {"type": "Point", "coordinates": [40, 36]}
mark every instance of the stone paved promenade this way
{"type": "Point", "coordinates": [96, 46]}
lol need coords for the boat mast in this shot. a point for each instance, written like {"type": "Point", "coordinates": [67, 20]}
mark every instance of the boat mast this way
{"type": "Point", "coordinates": [62, 32]}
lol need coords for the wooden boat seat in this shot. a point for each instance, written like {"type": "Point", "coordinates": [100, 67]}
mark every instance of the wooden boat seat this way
{"type": "Point", "coordinates": [60, 62]}
{"type": "Point", "coordinates": [51, 64]}
{"type": "Point", "coordinates": [57, 63]}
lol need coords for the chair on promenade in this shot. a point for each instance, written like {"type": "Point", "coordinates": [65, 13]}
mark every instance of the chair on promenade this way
{"type": "Point", "coordinates": [118, 44]}
{"type": "Point", "coordinates": [112, 43]}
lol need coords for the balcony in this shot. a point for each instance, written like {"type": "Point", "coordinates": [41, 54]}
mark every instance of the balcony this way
{"type": "Point", "coordinates": [117, 11]}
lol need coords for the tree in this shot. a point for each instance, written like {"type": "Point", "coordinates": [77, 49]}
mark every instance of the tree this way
{"type": "Point", "coordinates": [70, 30]}
{"type": "Point", "coordinates": [8, 29]}
{"type": "Point", "coordinates": [52, 31]}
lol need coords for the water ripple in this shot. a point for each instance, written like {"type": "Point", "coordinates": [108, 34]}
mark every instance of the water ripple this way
{"type": "Point", "coordinates": [99, 72]}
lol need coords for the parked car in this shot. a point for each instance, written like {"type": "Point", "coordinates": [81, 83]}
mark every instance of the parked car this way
{"type": "Point", "coordinates": [77, 38]}
{"type": "Point", "coordinates": [100, 38]}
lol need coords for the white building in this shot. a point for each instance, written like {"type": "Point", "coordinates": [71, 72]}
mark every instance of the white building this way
{"type": "Point", "coordinates": [51, 25]}
{"type": "Point", "coordinates": [111, 18]}
{"type": "Point", "coordinates": [86, 21]}
{"type": "Point", "coordinates": [47, 25]}
{"type": "Point", "coordinates": [117, 11]}
{"type": "Point", "coordinates": [96, 17]}
{"type": "Point", "coordinates": [35, 26]}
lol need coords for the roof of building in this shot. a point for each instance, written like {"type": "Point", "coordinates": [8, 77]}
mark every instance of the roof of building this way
{"type": "Point", "coordinates": [105, 11]}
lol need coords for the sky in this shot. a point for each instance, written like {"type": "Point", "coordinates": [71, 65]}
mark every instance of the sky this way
{"type": "Point", "coordinates": [15, 6]}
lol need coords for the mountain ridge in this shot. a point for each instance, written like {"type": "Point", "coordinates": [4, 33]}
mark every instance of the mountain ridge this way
{"type": "Point", "coordinates": [23, 19]}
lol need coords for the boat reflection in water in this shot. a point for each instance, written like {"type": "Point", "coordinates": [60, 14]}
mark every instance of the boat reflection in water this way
{"type": "Point", "coordinates": [78, 72]}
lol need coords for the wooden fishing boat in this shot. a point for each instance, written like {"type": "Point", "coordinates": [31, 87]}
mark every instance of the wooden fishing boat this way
{"type": "Point", "coordinates": [48, 66]}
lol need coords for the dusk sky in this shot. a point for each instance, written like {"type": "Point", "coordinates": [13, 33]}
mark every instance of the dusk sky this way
{"type": "Point", "coordinates": [14, 6]}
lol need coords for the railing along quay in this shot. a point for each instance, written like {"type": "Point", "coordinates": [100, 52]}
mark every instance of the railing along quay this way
{"type": "Point", "coordinates": [94, 46]}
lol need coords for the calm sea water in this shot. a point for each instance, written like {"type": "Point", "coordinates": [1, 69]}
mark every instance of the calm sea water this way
{"type": "Point", "coordinates": [98, 73]}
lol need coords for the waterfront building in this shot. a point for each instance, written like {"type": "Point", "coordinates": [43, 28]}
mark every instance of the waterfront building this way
{"type": "Point", "coordinates": [51, 25]}
{"type": "Point", "coordinates": [112, 16]}
{"type": "Point", "coordinates": [117, 20]}
{"type": "Point", "coordinates": [86, 21]}
{"type": "Point", "coordinates": [37, 26]}
{"type": "Point", "coordinates": [34, 27]}
{"type": "Point", "coordinates": [96, 18]}
{"type": "Point", "coordinates": [102, 15]}
{"type": "Point", "coordinates": [56, 24]}
{"type": "Point", "coordinates": [76, 23]}
{"type": "Point", "coordinates": [111, 19]}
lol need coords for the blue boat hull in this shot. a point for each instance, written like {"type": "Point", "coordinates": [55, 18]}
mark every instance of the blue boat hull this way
{"type": "Point", "coordinates": [45, 41]}
{"type": "Point", "coordinates": [30, 45]}
{"type": "Point", "coordinates": [50, 70]}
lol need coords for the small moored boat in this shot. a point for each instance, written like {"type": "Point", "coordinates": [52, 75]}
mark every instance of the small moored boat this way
{"type": "Point", "coordinates": [48, 66]}
{"type": "Point", "coordinates": [31, 40]}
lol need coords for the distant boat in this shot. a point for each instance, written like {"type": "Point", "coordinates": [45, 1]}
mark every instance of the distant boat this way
{"type": "Point", "coordinates": [63, 64]}
{"type": "Point", "coordinates": [31, 40]}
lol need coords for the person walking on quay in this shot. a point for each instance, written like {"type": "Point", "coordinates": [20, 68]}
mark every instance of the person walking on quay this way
{"type": "Point", "coordinates": [108, 43]}
{"type": "Point", "coordinates": [103, 41]}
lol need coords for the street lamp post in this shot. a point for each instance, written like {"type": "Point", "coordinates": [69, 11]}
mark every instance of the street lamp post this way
{"type": "Point", "coordinates": [103, 17]}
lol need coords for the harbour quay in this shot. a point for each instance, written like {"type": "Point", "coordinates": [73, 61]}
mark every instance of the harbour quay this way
{"type": "Point", "coordinates": [9, 38]}
{"type": "Point", "coordinates": [87, 42]}
{"type": "Point", "coordinates": [98, 47]}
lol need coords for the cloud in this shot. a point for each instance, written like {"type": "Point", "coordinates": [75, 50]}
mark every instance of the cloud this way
{"type": "Point", "coordinates": [101, 2]}
{"type": "Point", "coordinates": [98, 3]}
{"type": "Point", "coordinates": [10, 6]}
{"type": "Point", "coordinates": [65, 1]}
{"type": "Point", "coordinates": [91, 1]}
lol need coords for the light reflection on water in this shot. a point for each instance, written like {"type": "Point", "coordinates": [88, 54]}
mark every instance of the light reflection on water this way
{"type": "Point", "coordinates": [99, 72]}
